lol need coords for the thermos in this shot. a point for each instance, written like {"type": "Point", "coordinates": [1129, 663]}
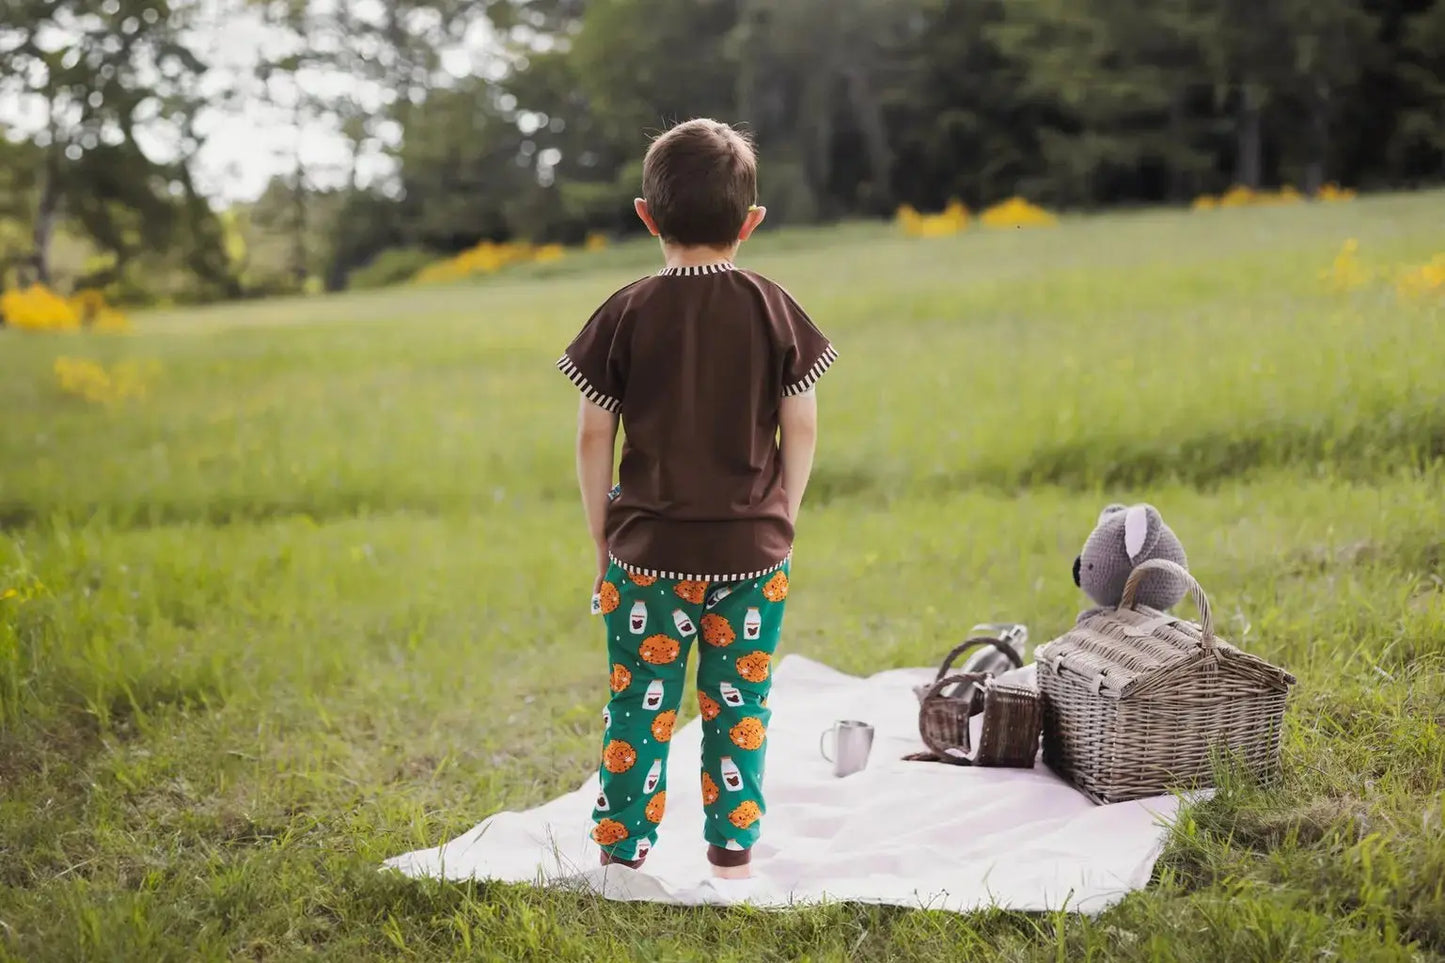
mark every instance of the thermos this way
{"type": "Point", "coordinates": [991, 658]}
{"type": "Point", "coordinates": [998, 647]}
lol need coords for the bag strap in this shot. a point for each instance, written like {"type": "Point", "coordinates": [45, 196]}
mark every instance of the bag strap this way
{"type": "Point", "coordinates": [973, 643]}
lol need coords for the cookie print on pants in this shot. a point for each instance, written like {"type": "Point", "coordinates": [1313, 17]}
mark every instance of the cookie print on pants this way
{"type": "Point", "coordinates": [652, 624]}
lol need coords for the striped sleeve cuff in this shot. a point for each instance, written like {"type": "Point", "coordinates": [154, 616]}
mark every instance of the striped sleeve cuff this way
{"type": "Point", "coordinates": [824, 362]}
{"type": "Point", "coordinates": [574, 374]}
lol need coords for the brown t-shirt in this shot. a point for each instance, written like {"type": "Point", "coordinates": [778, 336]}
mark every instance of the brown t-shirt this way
{"type": "Point", "coordinates": [696, 361]}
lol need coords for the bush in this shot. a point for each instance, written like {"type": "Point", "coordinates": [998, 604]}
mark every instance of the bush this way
{"type": "Point", "coordinates": [37, 308]}
{"type": "Point", "coordinates": [393, 266]}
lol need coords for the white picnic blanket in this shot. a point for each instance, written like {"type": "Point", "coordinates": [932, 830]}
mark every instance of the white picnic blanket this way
{"type": "Point", "coordinates": [905, 833]}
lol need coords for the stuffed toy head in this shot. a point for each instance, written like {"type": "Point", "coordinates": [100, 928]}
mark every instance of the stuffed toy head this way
{"type": "Point", "coordinates": [1124, 537]}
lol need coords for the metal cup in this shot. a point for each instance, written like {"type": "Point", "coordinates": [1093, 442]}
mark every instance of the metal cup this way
{"type": "Point", "coordinates": [852, 741]}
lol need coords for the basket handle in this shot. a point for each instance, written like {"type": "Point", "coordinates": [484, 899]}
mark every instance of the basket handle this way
{"type": "Point", "coordinates": [977, 678]}
{"type": "Point", "coordinates": [974, 642]}
{"type": "Point", "coordinates": [974, 678]}
{"type": "Point", "coordinates": [1196, 592]}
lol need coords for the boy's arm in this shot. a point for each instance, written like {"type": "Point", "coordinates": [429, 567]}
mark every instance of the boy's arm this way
{"type": "Point", "coordinates": [596, 446]}
{"type": "Point", "coordinates": [798, 423]}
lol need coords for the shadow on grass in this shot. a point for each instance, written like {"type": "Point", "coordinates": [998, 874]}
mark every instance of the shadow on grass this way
{"type": "Point", "coordinates": [64, 702]}
{"type": "Point", "coordinates": [214, 510]}
{"type": "Point", "coordinates": [1366, 450]}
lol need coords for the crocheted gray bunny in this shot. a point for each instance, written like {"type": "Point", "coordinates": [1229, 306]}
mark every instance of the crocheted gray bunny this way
{"type": "Point", "coordinates": [1124, 537]}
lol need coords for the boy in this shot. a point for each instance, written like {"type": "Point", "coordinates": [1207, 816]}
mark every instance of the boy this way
{"type": "Point", "coordinates": [706, 366]}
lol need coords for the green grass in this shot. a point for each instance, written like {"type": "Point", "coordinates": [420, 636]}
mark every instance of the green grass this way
{"type": "Point", "coordinates": [319, 598]}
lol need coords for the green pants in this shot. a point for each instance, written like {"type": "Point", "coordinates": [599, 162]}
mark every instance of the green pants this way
{"type": "Point", "coordinates": [651, 625]}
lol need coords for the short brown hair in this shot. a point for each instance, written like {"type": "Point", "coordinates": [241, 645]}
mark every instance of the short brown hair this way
{"type": "Point", "coordinates": [699, 179]}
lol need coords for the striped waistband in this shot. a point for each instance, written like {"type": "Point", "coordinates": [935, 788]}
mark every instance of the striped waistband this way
{"type": "Point", "coordinates": [673, 576]}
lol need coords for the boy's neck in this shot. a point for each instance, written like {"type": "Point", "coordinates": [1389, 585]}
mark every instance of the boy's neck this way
{"type": "Point", "coordinates": [681, 256]}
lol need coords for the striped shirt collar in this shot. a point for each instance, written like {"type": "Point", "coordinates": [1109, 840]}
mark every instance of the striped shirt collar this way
{"type": "Point", "coordinates": [692, 270]}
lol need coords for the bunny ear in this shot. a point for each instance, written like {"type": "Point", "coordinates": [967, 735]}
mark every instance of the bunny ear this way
{"type": "Point", "coordinates": [1136, 530]}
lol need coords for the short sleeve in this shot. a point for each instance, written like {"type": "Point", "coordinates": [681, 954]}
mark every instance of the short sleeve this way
{"type": "Point", "coordinates": [807, 352]}
{"type": "Point", "coordinates": [596, 360]}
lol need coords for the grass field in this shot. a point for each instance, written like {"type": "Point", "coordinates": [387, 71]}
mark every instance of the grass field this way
{"type": "Point", "coordinates": [319, 598]}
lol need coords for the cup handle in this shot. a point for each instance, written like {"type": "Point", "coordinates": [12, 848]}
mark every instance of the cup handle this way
{"type": "Point", "coordinates": [822, 738]}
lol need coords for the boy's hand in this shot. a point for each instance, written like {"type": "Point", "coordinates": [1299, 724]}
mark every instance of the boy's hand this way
{"type": "Point", "coordinates": [603, 563]}
{"type": "Point", "coordinates": [596, 443]}
{"type": "Point", "coordinates": [798, 421]}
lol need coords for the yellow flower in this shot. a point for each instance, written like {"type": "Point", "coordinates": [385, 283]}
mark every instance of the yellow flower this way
{"type": "Point", "coordinates": [37, 308]}
{"type": "Point", "coordinates": [1422, 281]}
{"type": "Point", "coordinates": [952, 219]}
{"type": "Point", "coordinates": [110, 321]}
{"type": "Point", "coordinates": [91, 381]}
{"type": "Point", "coordinates": [1017, 212]}
{"type": "Point", "coordinates": [93, 310]}
{"type": "Point", "coordinates": [1345, 272]}
{"type": "Point", "coordinates": [488, 257]}
{"type": "Point", "coordinates": [1237, 196]}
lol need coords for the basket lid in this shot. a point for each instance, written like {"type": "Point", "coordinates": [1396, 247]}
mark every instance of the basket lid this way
{"type": "Point", "coordinates": [1115, 652]}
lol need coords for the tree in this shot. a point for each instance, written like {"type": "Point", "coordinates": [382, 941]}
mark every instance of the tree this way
{"type": "Point", "coordinates": [582, 181]}
{"type": "Point", "coordinates": [462, 162]}
{"type": "Point", "coordinates": [1418, 146]}
{"type": "Point", "coordinates": [20, 162]}
{"type": "Point", "coordinates": [1114, 84]}
{"type": "Point", "coordinates": [98, 75]}
{"type": "Point", "coordinates": [1282, 60]}
{"type": "Point", "coordinates": [813, 76]}
{"type": "Point", "coordinates": [397, 102]}
{"type": "Point", "coordinates": [646, 64]}
{"type": "Point", "coordinates": [960, 125]}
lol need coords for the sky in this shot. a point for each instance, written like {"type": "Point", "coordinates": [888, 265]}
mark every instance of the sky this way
{"type": "Point", "coordinates": [253, 138]}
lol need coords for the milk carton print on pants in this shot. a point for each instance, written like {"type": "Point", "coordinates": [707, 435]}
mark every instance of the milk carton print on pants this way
{"type": "Point", "coordinates": [655, 638]}
{"type": "Point", "coordinates": [732, 777]}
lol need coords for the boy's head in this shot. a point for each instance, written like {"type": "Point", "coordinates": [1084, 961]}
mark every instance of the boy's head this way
{"type": "Point", "coordinates": [700, 185]}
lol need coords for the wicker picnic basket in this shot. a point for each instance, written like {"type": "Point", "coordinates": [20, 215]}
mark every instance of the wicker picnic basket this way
{"type": "Point", "coordinates": [1138, 702]}
{"type": "Point", "coordinates": [1012, 715]}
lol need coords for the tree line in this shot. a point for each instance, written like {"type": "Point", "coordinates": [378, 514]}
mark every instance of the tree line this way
{"type": "Point", "coordinates": [858, 106]}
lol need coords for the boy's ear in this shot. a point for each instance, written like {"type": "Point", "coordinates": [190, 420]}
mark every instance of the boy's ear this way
{"type": "Point", "coordinates": [640, 206]}
{"type": "Point", "coordinates": [751, 222]}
